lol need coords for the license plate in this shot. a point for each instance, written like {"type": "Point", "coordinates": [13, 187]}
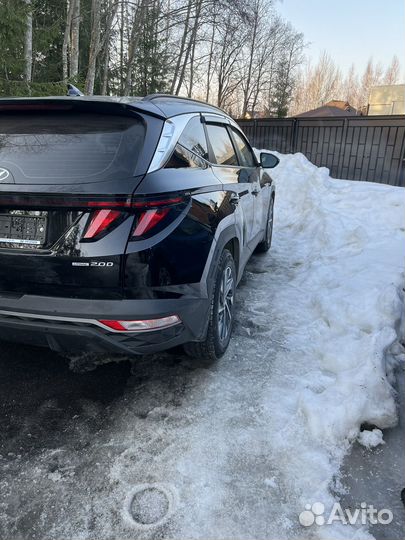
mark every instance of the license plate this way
{"type": "Point", "coordinates": [22, 230]}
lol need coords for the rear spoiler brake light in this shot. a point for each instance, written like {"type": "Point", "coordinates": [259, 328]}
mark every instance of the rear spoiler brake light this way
{"type": "Point", "coordinates": [16, 107]}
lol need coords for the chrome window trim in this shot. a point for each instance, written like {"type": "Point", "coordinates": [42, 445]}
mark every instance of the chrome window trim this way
{"type": "Point", "coordinates": [172, 129]}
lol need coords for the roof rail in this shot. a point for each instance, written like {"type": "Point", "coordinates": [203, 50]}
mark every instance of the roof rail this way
{"type": "Point", "coordinates": [151, 97]}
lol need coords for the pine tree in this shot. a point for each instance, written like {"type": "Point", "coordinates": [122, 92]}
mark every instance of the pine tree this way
{"type": "Point", "coordinates": [151, 63]}
{"type": "Point", "coordinates": [282, 90]}
{"type": "Point", "coordinates": [12, 31]}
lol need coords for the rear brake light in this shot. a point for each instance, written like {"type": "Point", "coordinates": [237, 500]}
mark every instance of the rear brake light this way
{"type": "Point", "coordinates": [141, 325]}
{"type": "Point", "coordinates": [158, 202]}
{"type": "Point", "coordinates": [100, 222]}
{"type": "Point", "coordinates": [149, 219]}
{"type": "Point", "coordinates": [154, 215]}
{"type": "Point", "coordinates": [35, 107]}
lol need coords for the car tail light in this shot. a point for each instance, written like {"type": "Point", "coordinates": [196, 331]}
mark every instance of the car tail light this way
{"type": "Point", "coordinates": [149, 219]}
{"type": "Point", "coordinates": [142, 325]}
{"type": "Point", "coordinates": [100, 222]}
{"type": "Point", "coordinates": [155, 214]}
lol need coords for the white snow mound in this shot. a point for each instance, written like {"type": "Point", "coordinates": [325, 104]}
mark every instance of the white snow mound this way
{"type": "Point", "coordinates": [344, 243]}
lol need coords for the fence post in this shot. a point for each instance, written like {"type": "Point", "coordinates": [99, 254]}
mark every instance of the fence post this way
{"type": "Point", "coordinates": [294, 135]}
{"type": "Point", "coordinates": [401, 176]}
{"type": "Point", "coordinates": [342, 148]}
{"type": "Point", "coordinates": [255, 132]}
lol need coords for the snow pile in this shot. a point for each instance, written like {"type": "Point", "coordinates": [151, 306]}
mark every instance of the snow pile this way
{"type": "Point", "coordinates": [342, 243]}
{"type": "Point", "coordinates": [371, 439]}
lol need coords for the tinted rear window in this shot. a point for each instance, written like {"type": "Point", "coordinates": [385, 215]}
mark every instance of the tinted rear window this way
{"type": "Point", "coordinates": [69, 147]}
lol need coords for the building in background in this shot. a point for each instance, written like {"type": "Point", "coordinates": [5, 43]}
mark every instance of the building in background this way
{"type": "Point", "coordinates": [387, 100]}
{"type": "Point", "coordinates": [332, 108]}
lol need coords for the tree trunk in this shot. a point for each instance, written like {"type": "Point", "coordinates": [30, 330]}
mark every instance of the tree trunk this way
{"type": "Point", "coordinates": [190, 89]}
{"type": "Point", "coordinates": [66, 40]}
{"type": "Point", "coordinates": [104, 86]}
{"type": "Point", "coordinates": [189, 46]}
{"type": "Point", "coordinates": [28, 43]}
{"type": "Point", "coordinates": [75, 31]}
{"type": "Point", "coordinates": [209, 74]}
{"type": "Point", "coordinates": [121, 33]}
{"type": "Point", "coordinates": [133, 44]}
{"type": "Point", "coordinates": [182, 46]}
{"type": "Point", "coordinates": [94, 47]}
{"type": "Point", "coordinates": [246, 93]}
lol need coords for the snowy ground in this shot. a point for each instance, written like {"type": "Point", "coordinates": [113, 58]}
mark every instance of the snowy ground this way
{"type": "Point", "coordinates": [178, 449]}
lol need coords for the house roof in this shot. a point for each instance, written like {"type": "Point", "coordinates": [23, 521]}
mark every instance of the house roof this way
{"type": "Point", "coordinates": [332, 108]}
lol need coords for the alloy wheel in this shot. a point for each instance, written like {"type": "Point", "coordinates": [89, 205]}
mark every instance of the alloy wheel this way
{"type": "Point", "coordinates": [269, 228]}
{"type": "Point", "coordinates": [225, 303]}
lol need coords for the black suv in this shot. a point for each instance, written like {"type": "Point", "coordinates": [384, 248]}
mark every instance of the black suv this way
{"type": "Point", "coordinates": [126, 223]}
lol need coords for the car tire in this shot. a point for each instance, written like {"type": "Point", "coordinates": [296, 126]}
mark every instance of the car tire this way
{"type": "Point", "coordinates": [220, 315]}
{"type": "Point", "coordinates": [265, 244]}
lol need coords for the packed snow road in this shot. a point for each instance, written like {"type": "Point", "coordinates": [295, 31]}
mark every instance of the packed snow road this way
{"type": "Point", "coordinates": [175, 448]}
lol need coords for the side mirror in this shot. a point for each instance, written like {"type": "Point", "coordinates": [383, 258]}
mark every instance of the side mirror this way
{"type": "Point", "coordinates": [268, 161]}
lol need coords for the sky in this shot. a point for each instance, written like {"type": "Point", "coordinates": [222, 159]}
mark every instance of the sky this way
{"type": "Point", "coordinates": [350, 30]}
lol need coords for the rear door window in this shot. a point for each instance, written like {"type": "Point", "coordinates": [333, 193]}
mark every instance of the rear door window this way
{"type": "Point", "coordinates": [221, 144]}
{"type": "Point", "coordinates": [69, 147]}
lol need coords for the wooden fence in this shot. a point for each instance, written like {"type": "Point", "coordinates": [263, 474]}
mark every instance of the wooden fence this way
{"type": "Point", "coordinates": [370, 148]}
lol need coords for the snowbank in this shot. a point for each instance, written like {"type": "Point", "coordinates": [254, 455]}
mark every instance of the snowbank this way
{"type": "Point", "coordinates": [344, 241]}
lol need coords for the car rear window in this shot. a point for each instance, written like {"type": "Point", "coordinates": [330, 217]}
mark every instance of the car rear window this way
{"type": "Point", "coordinates": [69, 147]}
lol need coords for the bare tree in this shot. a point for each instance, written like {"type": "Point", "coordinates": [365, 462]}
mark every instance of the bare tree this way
{"type": "Point", "coordinates": [190, 45]}
{"type": "Point", "coordinates": [227, 51]}
{"type": "Point", "coordinates": [372, 76]}
{"type": "Point", "coordinates": [351, 87]}
{"type": "Point", "coordinates": [254, 43]}
{"type": "Point", "coordinates": [393, 71]}
{"type": "Point", "coordinates": [186, 30]}
{"type": "Point", "coordinates": [211, 52]}
{"type": "Point", "coordinates": [317, 85]}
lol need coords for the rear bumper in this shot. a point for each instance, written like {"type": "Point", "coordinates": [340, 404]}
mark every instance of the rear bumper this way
{"type": "Point", "coordinates": [68, 325]}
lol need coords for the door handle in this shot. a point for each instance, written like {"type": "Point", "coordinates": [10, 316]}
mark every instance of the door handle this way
{"type": "Point", "coordinates": [234, 198]}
